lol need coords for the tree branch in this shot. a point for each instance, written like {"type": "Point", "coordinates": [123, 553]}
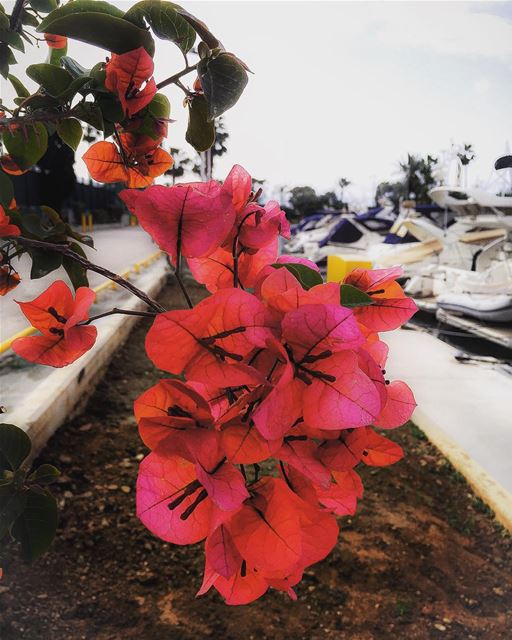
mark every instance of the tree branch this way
{"type": "Point", "coordinates": [65, 250]}
{"type": "Point", "coordinates": [15, 20]}
{"type": "Point", "coordinates": [173, 79]}
{"type": "Point", "coordinates": [125, 312]}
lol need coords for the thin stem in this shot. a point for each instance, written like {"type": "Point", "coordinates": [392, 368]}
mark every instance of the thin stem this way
{"type": "Point", "coordinates": [33, 118]}
{"type": "Point", "coordinates": [177, 273]}
{"type": "Point", "coordinates": [121, 148]}
{"type": "Point", "coordinates": [65, 250]}
{"type": "Point", "coordinates": [126, 312]}
{"type": "Point", "coordinates": [176, 76]}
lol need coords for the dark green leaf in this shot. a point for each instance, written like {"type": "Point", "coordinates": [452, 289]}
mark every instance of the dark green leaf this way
{"type": "Point", "coordinates": [353, 297]}
{"type": "Point", "coordinates": [79, 85]}
{"type": "Point", "coordinates": [111, 108]}
{"type": "Point", "coordinates": [45, 474]}
{"type": "Point", "coordinates": [200, 131]}
{"type": "Point", "coordinates": [7, 58]}
{"type": "Point", "coordinates": [97, 23]}
{"type": "Point", "coordinates": [44, 262]}
{"type": "Point", "coordinates": [77, 274]}
{"type": "Point", "coordinates": [90, 113]}
{"type": "Point", "coordinates": [35, 528]}
{"type": "Point", "coordinates": [306, 276]}
{"type": "Point", "coordinates": [39, 101]}
{"type": "Point", "coordinates": [43, 6]}
{"type": "Point", "coordinates": [73, 67]}
{"type": "Point", "coordinates": [54, 80]}
{"type": "Point", "coordinates": [19, 87]}
{"type": "Point", "coordinates": [165, 22]}
{"type": "Point", "coordinates": [12, 504]}
{"type": "Point", "coordinates": [6, 190]}
{"type": "Point", "coordinates": [27, 145]}
{"type": "Point", "coordinates": [29, 19]}
{"type": "Point", "coordinates": [223, 80]}
{"type": "Point", "coordinates": [14, 446]}
{"type": "Point", "coordinates": [70, 132]}
{"type": "Point", "coordinates": [12, 38]}
{"type": "Point", "coordinates": [200, 28]}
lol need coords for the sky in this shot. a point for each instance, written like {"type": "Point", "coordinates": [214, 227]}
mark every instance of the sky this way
{"type": "Point", "coordinates": [347, 89]}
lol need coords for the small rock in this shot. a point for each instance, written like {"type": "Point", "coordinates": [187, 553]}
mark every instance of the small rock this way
{"type": "Point", "coordinates": [112, 487]}
{"type": "Point", "coordinates": [498, 591]}
{"type": "Point", "coordinates": [125, 488]}
{"type": "Point", "coordinates": [65, 458]}
{"type": "Point", "coordinates": [439, 626]}
{"type": "Point", "coordinates": [85, 427]}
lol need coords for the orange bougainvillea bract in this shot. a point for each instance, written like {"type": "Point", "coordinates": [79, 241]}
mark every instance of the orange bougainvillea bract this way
{"type": "Point", "coordinates": [274, 394]}
{"type": "Point", "coordinates": [59, 318]}
{"type": "Point", "coordinates": [125, 75]}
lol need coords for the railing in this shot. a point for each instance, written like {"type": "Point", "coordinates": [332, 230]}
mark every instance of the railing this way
{"type": "Point", "coordinates": [135, 268]}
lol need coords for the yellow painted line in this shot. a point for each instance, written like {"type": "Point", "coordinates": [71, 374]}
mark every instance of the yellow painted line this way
{"type": "Point", "coordinates": [6, 344]}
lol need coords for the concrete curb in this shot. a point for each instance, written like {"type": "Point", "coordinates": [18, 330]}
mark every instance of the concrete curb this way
{"type": "Point", "coordinates": [64, 392]}
{"type": "Point", "coordinates": [485, 487]}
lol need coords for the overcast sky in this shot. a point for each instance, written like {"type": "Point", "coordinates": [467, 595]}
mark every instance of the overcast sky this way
{"type": "Point", "coordinates": [348, 88]}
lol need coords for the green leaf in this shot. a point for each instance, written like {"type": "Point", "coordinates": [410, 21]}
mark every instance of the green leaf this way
{"type": "Point", "coordinates": [6, 190]}
{"type": "Point", "coordinates": [73, 67]}
{"type": "Point", "coordinates": [38, 101]}
{"type": "Point", "coordinates": [200, 28]}
{"type": "Point", "coordinates": [165, 22]}
{"type": "Point", "coordinates": [97, 23]}
{"type": "Point", "coordinates": [111, 108]}
{"type": "Point", "coordinates": [44, 262]}
{"type": "Point", "coordinates": [353, 297]}
{"type": "Point", "coordinates": [90, 113]}
{"type": "Point", "coordinates": [160, 107]}
{"type": "Point", "coordinates": [35, 527]}
{"type": "Point", "coordinates": [15, 446]}
{"type": "Point", "coordinates": [27, 145]}
{"type": "Point", "coordinates": [12, 505]}
{"type": "Point", "coordinates": [44, 6]}
{"type": "Point", "coordinates": [7, 58]}
{"type": "Point", "coordinates": [200, 131]}
{"type": "Point", "coordinates": [54, 80]}
{"type": "Point", "coordinates": [76, 273]}
{"type": "Point", "coordinates": [306, 276]}
{"type": "Point", "coordinates": [29, 19]}
{"type": "Point", "coordinates": [19, 87]}
{"type": "Point", "coordinates": [223, 80]}
{"type": "Point", "coordinates": [12, 38]}
{"type": "Point", "coordinates": [70, 132]}
{"type": "Point", "coordinates": [75, 87]}
{"type": "Point", "coordinates": [45, 474]}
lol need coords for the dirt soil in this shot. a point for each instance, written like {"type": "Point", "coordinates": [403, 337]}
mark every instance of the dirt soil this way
{"type": "Point", "coordinates": [423, 558]}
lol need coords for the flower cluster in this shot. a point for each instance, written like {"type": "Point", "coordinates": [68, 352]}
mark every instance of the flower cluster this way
{"type": "Point", "coordinates": [283, 380]}
{"type": "Point", "coordinates": [277, 382]}
{"type": "Point", "coordinates": [136, 157]}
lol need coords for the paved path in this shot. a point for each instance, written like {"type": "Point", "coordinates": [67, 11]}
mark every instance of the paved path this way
{"type": "Point", "coordinates": [115, 248]}
{"type": "Point", "coordinates": [470, 403]}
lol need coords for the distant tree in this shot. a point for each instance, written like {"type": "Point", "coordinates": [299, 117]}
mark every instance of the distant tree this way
{"type": "Point", "coordinates": [466, 154]}
{"type": "Point", "coordinates": [182, 163]}
{"type": "Point", "coordinates": [56, 178]}
{"type": "Point", "coordinates": [343, 183]}
{"type": "Point", "coordinates": [305, 201]}
{"type": "Point", "coordinates": [418, 177]}
{"type": "Point", "coordinates": [203, 165]}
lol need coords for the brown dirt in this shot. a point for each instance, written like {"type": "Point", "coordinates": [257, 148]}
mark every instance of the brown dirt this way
{"type": "Point", "coordinates": [422, 559]}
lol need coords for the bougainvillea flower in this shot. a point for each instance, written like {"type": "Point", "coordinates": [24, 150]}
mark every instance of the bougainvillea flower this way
{"type": "Point", "coordinates": [345, 452]}
{"type": "Point", "coordinates": [399, 406]}
{"type": "Point", "coordinates": [57, 316]}
{"type": "Point", "coordinates": [209, 342]}
{"type": "Point", "coordinates": [242, 587]}
{"type": "Point", "coordinates": [125, 75]}
{"type": "Point", "coordinates": [239, 185]}
{"type": "Point", "coordinates": [380, 451]}
{"type": "Point", "coordinates": [243, 443]}
{"type": "Point", "coordinates": [391, 307]}
{"type": "Point", "coordinates": [302, 455]}
{"type": "Point", "coordinates": [56, 42]}
{"type": "Point", "coordinates": [7, 229]}
{"type": "Point", "coordinates": [106, 164]}
{"type": "Point", "coordinates": [177, 217]}
{"type": "Point", "coordinates": [168, 406]}
{"type": "Point", "coordinates": [217, 271]}
{"type": "Point", "coordinates": [9, 279]}
{"type": "Point", "coordinates": [166, 478]}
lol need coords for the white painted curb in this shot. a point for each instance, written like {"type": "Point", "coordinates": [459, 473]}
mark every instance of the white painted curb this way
{"type": "Point", "coordinates": [484, 485]}
{"type": "Point", "coordinates": [64, 392]}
